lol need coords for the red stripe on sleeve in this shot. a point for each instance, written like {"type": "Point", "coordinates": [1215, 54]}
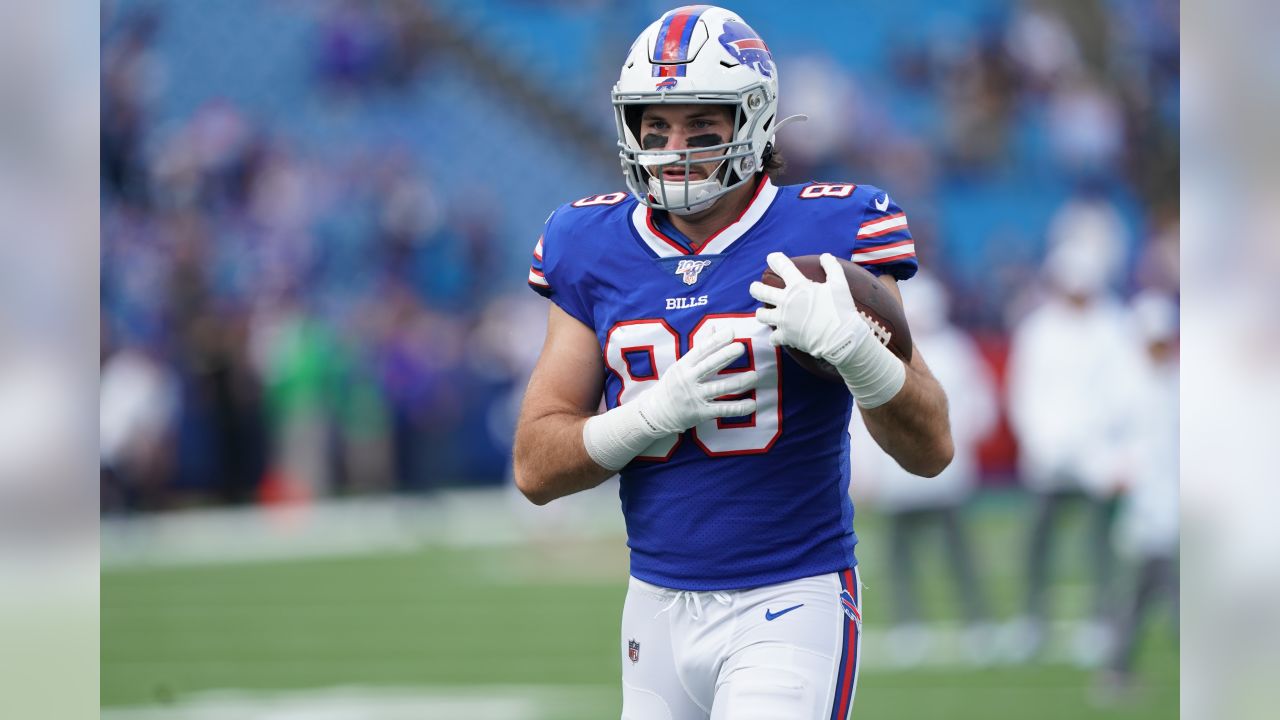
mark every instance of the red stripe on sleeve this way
{"type": "Point", "coordinates": [886, 231]}
{"type": "Point", "coordinates": [891, 258]}
{"type": "Point", "coordinates": [886, 246]}
{"type": "Point", "coordinates": [882, 219]}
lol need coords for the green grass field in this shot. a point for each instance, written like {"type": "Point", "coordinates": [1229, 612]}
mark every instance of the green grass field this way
{"type": "Point", "coordinates": [491, 622]}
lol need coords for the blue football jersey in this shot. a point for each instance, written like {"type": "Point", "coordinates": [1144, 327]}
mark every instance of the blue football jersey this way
{"type": "Point", "coordinates": [733, 502]}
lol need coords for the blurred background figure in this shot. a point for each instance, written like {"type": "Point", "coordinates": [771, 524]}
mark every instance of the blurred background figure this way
{"type": "Point", "coordinates": [918, 507]}
{"type": "Point", "coordinates": [1147, 526]}
{"type": "Point", "coordinates": [137, 404]}
{"type": "Point", "coordinates": [1074, 366]}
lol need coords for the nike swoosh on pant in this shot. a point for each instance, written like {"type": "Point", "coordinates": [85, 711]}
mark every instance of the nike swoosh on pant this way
{"type": "Point", "coordinates": [770, 616]}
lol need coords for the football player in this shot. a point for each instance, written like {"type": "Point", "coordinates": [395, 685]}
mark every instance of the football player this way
{"type": "Point", "coordinates": [744, 600]}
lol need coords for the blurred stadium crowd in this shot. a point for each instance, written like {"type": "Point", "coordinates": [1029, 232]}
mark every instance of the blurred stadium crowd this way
{"type": "Point", "coordinates": [317, 217]}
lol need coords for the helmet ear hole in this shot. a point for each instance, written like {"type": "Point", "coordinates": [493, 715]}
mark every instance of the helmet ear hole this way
{"type": "Point", "coordinates": [631, 115]}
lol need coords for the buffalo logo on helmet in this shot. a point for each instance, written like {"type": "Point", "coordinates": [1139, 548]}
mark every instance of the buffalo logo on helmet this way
{"type": "Point", "coordinates": [633, 651]}
{"type": "Point", "coordinates": [746, 47]}
{"type": "Point", "coordinates": [666, 84]}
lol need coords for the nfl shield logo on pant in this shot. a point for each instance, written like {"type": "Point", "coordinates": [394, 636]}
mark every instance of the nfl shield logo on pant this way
{"type": "Point", "coordinates": [633, 651]}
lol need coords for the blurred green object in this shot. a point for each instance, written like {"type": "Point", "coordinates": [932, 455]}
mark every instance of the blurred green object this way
{"type": "Point", "coordinates": [544, 615]}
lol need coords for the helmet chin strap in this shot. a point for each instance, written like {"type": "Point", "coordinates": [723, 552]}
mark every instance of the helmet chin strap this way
{"type": "Point", "coordinates": [688, 195]}
{"type": "Point", "coordinates": [691, 191]}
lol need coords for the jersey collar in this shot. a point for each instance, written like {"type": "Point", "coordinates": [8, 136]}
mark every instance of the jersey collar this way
{"type": "Point", "coordinates": [665, 246]}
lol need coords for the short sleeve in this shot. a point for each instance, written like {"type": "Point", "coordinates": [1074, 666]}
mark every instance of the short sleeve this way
{"type": "Point", "coordinates": [537, 271]}
{"type": "Point", "coordinates": [883, 244]}
{"type": "Point", "coordinates": [552, 275]}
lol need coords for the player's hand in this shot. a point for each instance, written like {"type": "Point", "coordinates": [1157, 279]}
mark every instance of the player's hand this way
{"type": "Point", "coordinates": [815, 318]}
{"type": "Point", "coordinates": [686, 393]}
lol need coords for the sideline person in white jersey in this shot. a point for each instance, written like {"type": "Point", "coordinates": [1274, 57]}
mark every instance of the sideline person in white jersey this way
{"type": "Point", "coordinates": [733, 460]}
{"type": "Point", "coordinates": [1073, 366]}
{"type": "Point", "coordinates": [1147, 526]}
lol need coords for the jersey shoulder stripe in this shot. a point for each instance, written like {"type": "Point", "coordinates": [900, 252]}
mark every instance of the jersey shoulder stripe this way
{"type": "Point", "coordinates": [569, 244]}
{"type": "Point", "coordinates": [876, 227]}
{"type": "Point", "coordinates": [883, 242]}
{"type": "Point", "coordinates": [873, 228]}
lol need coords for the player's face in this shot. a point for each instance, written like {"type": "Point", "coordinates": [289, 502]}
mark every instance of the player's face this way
{"type": "Point", "coordinates": [681, 127]}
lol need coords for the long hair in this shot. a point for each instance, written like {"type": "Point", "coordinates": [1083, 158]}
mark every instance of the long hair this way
{"type": "Point", "coordinates": [774, 164]}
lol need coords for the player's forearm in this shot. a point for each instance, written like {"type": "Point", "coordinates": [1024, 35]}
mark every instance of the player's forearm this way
{"type": "Point", "coordinates": [551, 460]}
{"type": "Point", "coordinates": [913, 427]}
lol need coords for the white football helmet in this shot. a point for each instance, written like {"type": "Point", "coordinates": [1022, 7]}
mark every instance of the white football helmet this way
{"type": "Point", "coordinates": [697, 54]}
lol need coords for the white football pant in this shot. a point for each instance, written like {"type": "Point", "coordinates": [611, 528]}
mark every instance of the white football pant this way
{"type": "Point", "coordinates": [780, 652]}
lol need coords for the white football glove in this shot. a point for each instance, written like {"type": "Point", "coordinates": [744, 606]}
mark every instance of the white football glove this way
{"type": "Point", "coordinates": [815, 318]}
{"type": "Point", "coordinates": [820, 319]}
{"type": "Point", "coordinates": [683, 396]}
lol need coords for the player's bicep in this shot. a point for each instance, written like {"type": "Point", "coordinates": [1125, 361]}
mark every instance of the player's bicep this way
{"type": "Point", "coordinates": [892, 283]}
{"type": "Point", "coordinates": [569, 375]}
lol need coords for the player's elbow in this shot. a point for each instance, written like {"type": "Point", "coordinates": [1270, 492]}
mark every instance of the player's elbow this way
{"type": "Point", "coordinates": [535, 494]}
{"type": "Point", "coordinates": [928, 458]}
{"type": "Point", "coordinates": [937, 448]}
{"type": "Point", "coordinates": [937, 457]}
{"type": "Point", "coordinates": [524, 468]}
{"type": "Point", "coordinates": [530, 484]}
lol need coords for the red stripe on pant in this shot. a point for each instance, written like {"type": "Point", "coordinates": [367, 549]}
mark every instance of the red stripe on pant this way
{"type": "Point", "coordinates": [848, 654]}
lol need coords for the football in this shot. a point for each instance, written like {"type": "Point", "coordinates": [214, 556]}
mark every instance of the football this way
{"type": "Point", "coordinates": [875, 304]}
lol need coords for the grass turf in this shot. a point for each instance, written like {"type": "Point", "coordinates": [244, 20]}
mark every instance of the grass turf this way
{"type": "Point", "coordinates": [541, 615]}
